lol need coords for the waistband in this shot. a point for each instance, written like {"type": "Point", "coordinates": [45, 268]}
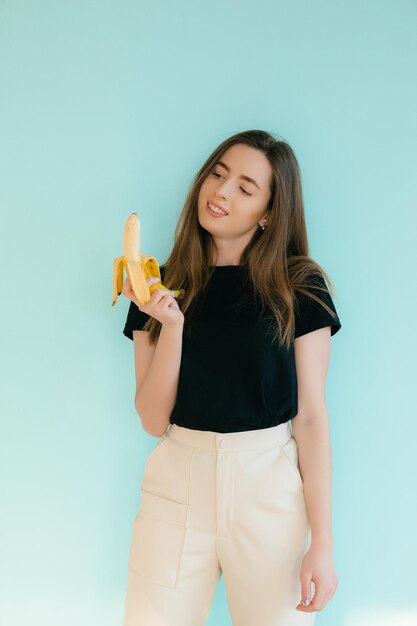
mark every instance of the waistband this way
{"type": "Point", "coordinates": [221, 442]}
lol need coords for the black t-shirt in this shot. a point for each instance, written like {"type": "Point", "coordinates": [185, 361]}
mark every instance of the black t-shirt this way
{"type": "Point", "coordinates": [233, 377]}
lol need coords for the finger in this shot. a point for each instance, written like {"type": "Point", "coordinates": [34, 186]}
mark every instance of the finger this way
{"type": "Point", "coordinates": [306, 593]}
{"type": "Point", "coordinates": [318, 601]}
{"type": "Point", "coordinates": [127, 287]}
{"type": "Point", "coordinates": [321, 598]}
{"type": "Point", "coordinates": [128, 291]}
{"type": "Point", "coordinates": [163, 292]}
{"type": "Point", "coordinates": [160, 298]}
{"type": "Point", "coordinates": [152, 279]}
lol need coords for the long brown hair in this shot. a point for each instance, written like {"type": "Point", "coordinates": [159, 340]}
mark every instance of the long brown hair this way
{"type": "Point", "coordinates": [276, 259]}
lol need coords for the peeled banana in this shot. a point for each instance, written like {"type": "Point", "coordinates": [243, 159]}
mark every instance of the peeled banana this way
{"type": "Point", "coordinates": [138, 266]}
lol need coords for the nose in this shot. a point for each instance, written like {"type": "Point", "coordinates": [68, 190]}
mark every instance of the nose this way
{"type": "Point", "coordinates": [220, 191]}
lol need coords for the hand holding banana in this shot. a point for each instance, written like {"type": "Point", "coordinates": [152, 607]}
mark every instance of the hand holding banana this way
{"type": "Point", "coordinates": [162, 304]}
{"type": "Point", "coordinates": [138, 267]}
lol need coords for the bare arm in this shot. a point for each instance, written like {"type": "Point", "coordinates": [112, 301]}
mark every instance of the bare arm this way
{"type": "Point", "coordinates": [156, 393]}
{"type": "Point", "coordinates": [157, 365]}
{"type": "Point", "coordinates": [311, 431]}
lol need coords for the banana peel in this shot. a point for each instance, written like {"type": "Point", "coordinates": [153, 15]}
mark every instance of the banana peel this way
{"type": "Point", "coordinates": [137, 266]}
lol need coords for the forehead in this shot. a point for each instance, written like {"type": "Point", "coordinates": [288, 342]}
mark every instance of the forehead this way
{"type": "Point", "coordinates": [244, 160]}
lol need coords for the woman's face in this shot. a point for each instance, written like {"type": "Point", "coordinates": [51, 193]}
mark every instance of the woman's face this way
{"type": "Point", "coordinates": [245, 201]}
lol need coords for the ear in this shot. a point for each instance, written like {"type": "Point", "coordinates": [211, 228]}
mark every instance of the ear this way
{"type": "Point", "coordinates": [266, 218]}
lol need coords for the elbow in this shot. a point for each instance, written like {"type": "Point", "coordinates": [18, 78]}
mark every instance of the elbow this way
{"type": "Point", "coordinates": [153, 429]}
{"type": "Point", "coordinates": [158, 433]}
{"type": "Point", "coordinates": [151, 424]}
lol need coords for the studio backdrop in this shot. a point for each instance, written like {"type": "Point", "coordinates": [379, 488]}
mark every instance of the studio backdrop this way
{"type": "Point", "coordinates": [109, 108]}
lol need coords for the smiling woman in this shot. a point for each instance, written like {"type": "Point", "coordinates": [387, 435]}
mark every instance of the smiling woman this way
{"type": "Point", "coordinates": [244, 204]}
{"type": "Point", "coordinates": [239, 484]}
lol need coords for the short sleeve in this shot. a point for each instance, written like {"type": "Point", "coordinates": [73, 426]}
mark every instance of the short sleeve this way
{"type": "Point", "coordinates": [136, 318]}
{"type": "Point", "coordinates": [310, 315]}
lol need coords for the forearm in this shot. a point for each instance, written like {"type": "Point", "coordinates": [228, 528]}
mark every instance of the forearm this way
{"type": "Point", "coordinates": [156, 397]}
{"type": "Point", "coordinates": [314, 457]}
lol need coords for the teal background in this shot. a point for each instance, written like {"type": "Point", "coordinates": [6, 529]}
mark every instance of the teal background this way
{"type": "Point", "coordinates": [111, 107]}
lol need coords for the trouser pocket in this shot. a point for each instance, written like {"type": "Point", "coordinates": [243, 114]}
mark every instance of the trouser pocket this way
{"type": "Point", "coordinates": [290, 450]}
{"type": "Point", "coordinates": [158, 538]}
{"type": "Point", "coordinates": [160, 443]}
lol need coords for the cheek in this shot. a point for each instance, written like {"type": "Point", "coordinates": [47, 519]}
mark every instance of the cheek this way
{"type": "Point", "coordinates": [201, 199]}
{"type": "Point", "coordinates": [248, 216]}
{"type": "Point", "coordinates": [255, 212]}
{"type": "Point", "coordinates": [207, 189]}
{"type": "Point", "coordinates": [202, 194]}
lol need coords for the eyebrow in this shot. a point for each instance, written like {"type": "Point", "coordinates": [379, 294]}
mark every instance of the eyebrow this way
{"type": "Point", "coordinates": [250, 180]}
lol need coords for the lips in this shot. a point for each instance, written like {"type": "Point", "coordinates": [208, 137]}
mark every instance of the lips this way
{"type": "Point", "coordinates": [218, 206]}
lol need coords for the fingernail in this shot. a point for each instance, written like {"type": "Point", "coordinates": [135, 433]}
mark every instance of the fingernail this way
{"type": "Point", "coordinates": [306, 601]}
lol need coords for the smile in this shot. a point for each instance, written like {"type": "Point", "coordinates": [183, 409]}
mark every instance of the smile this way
{"type": "Point", "coordinates": [214, 211]}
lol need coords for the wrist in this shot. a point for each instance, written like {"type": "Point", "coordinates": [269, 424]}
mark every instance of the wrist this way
{"type": "Point", "coordinates": [179, 324]}
{"type": "Point", "coordinates": [323, 541]}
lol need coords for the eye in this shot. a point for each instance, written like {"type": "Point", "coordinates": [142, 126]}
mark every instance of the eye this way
{"type": "Point", "coordinates": [217, 175]}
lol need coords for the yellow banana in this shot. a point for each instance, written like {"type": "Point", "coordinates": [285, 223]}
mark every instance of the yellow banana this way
{"type": "Point", "coordinates": [138, 266]}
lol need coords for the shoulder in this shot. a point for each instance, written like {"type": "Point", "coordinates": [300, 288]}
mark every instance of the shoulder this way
{"type": "Point", "coordinates": [314, 307]}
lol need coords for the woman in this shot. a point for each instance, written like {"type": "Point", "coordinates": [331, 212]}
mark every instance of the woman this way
{"type": "Point", "coordinates": [229, 487]}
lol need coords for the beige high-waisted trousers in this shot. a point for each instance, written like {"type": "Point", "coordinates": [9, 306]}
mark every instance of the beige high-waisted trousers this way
{"type": "Point", "coordinates": [219, 503]}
